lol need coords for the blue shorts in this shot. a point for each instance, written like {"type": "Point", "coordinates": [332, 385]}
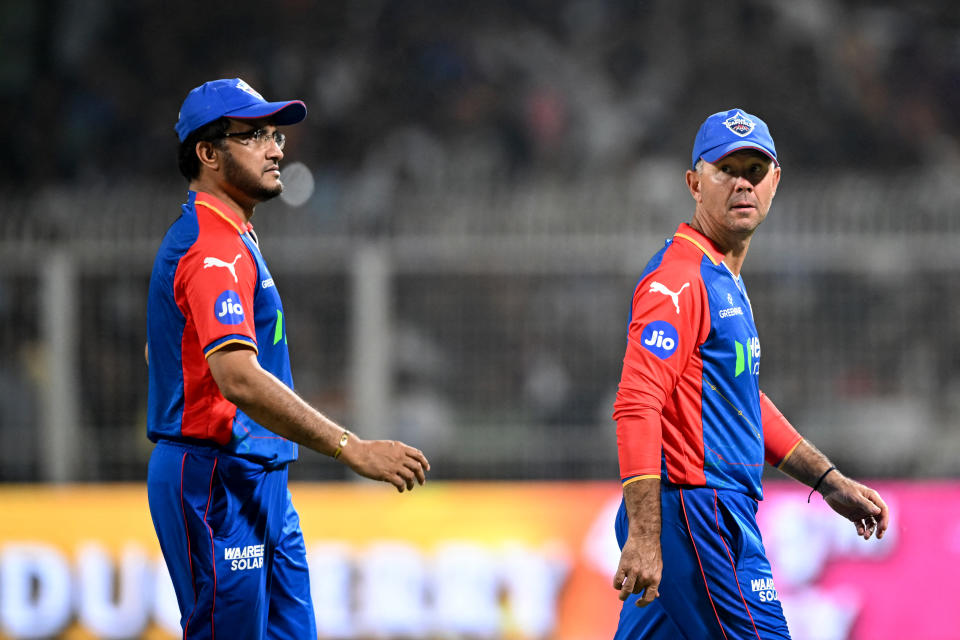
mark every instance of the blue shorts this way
{"type": "Point", "coordinates": [231, 540]}
{"type": "Point", "coordinates": [716, 579]}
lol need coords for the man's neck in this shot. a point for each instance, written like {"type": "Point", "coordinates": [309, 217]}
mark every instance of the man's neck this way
{"type": "Point", "coordinates": [734, 257]}
{"type": "Point", "coordinates": [733, 247]}
{"type": "Point", "coordinates": [217, 191]}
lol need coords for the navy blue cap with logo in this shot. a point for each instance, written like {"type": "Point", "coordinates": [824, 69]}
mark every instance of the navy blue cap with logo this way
{"type": "Point", "coordinates": [727, 131]}
{"type": "Point", "coordinates": [233, 98]}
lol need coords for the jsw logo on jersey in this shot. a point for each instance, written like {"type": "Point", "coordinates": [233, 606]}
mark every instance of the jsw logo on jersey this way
{"type": "Point", "coordinates": [227, 308]}
{"type": "Point", "coordinates": [659, 338]}
{"type": "Point", "coordinates": [748, 356]}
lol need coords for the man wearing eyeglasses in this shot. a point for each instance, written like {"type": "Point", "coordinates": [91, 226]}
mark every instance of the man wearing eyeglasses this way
{"type": "Point", "coordinates": [221, 406]}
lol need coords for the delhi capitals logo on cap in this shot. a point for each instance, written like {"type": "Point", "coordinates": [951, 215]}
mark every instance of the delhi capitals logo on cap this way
{"type": "Point", "coordinates": [227, 308]}
{"type": "Point", "coordinates": [740, 124]}
{"type": "Point", "coordinates": [243, 86]}
{"type": "Point", "coordinates": [659, 338]}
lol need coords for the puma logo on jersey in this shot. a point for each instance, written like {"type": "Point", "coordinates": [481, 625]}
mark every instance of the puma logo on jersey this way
{"type": "Point", "coordinates": [656, 287]}
{"type": "Point", "coordinates": [229, 266]}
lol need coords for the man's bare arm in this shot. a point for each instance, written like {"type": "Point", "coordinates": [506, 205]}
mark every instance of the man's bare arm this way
{"type": "Point", "coordinates": [272, 404]}
{"type": "Point", "coordinates": [856, 502]}
{"type": "Point", "coordinates": [641, 562]}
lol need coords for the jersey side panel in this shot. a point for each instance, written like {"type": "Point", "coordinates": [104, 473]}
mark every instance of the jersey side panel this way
{"type": "Point", "coordinates": [250, 438]}
{"type": "Point", "coordinates": [166, 326]}
{"type": "Point", "coordinates": [733, 431]}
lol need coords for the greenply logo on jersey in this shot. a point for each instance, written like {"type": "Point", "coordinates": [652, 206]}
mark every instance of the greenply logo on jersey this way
{"type": "Point", "coordinates": [748, 356]}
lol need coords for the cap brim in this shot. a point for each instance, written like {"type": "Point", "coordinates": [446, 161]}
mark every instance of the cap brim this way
{"type": "Point", "coordinates": [712, 155]}
{"type": "Point", "coordinates": [282, 113]}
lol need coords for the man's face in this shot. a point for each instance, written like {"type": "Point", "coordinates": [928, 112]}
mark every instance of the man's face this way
{"type": "Point", "coordinates": [734, 194]}
{"type": "Point", "coordinates": [251, 167]}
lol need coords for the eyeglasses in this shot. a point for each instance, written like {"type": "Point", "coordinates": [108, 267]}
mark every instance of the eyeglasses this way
{"type": "Point", "coordinates": [258, 136]}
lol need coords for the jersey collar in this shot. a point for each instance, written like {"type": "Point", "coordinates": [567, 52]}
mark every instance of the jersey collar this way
{"type": "Point", "coordinates": [700, 241]}
{"type": "Point", "coordinates": [222, 211]}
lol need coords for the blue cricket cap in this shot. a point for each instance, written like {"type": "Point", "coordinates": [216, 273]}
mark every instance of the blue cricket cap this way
{"type": "Point", "coordinates": [727, 131]}
{"type": "Point", "coordinates": [236, 99]}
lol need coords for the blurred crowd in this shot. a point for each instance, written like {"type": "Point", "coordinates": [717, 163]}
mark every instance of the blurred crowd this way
{"type": "Point", "coordinates": [423, 88]}
{"type": "Point", "coordinates": [506, 119]}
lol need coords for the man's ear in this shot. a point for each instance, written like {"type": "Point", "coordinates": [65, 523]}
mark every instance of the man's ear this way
{"type": "Point", "coordinates": [776, 180]}
{"type": "Point", "coordinates": [693, 184]}
{"type": "Point", "coordinates": [208, 154]}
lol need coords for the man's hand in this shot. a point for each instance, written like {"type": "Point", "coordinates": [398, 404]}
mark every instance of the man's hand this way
{"type": "Point", "coordinates": [387, 460]}
{"type": "Point", "coordinates": [641, 562]}
{"type": "Point", "coordinates": [640, 568]}
{"type": "Point", "coordinates": [858, 503]}
{"type": "Point", "coordinates": [271, 403]}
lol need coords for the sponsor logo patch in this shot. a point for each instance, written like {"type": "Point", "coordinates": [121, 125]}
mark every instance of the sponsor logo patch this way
{"type": "Point", "coordinates": [660, 338]}
{"type": "Point", "coordinates": [656, 287]}
{"type": "Point", "coordinates": [242, 558]}
{"type": "Point", "coordinates": [227, 308]}
{"type": "Point", "coordinates": [732, 311]}
{"type": "Point", "coordinates": [750, 363]}
{"type": "Point", "coordinates": [765, 589]}
{"type": "Point", "coordinates": [210, 261]}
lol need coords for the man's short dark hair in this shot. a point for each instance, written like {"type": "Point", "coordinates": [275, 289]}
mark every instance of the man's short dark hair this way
{"type": "Point", "coordinates": [187, 156]}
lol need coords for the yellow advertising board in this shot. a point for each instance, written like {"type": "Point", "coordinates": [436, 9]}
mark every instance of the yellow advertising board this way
{"type": "Point", "coordinates": [495, 560]}
{"type": "Point", "coordinates": [504, 561]}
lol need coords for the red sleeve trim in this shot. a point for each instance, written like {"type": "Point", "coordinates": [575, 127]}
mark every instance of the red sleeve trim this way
{"type": "Point", "coordinates": [779, 437]}
{"type": "Point", "coordinates": [638, 444]}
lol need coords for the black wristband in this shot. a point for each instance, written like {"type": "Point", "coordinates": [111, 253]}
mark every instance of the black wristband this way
{"type": "Point", "coordinates": [819, 481]}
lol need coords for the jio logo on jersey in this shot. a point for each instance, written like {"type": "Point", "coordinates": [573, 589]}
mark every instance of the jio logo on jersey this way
{"type": "Point", "coordinates": [659, 338]}
{"type": "Point", "coordinates": [227, 308]}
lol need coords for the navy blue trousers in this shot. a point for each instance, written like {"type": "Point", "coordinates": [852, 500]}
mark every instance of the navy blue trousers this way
{"type": "Point", "coordinates": [231, 540]}
{"type": "Point", "coordinates": [716, 581]}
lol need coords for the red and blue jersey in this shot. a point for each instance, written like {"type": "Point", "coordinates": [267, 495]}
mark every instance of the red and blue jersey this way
{"type": "Point", "coordinates": [689, 407]}
{"type": "Point", "coordinates": [210, 288]}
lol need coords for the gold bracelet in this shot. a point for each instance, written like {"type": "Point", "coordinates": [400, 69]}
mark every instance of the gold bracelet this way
{"type": "Point", "coordinates": [343, 442]}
